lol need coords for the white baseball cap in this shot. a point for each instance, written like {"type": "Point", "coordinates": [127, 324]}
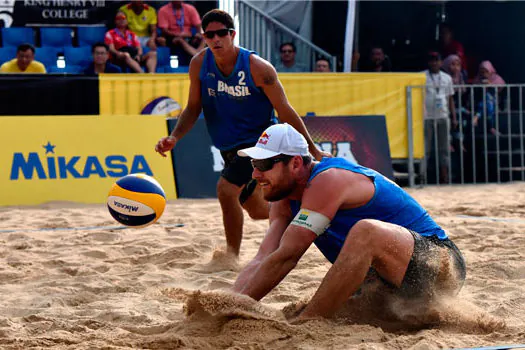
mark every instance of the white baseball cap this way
{"type": "Point", "coordinates": [277, 139]}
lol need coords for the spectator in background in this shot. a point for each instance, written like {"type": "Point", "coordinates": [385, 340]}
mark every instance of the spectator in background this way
{"type": "Point", "coordinates": [100, 62]}
{"type": "Point", "coordinates": [287, 63]}
{"type": "Point", "coordinates": [24, 62]}
{"type": "Point", "coordinates": [177, 20]}
{"type": "Point", "coordinates": [125, 48]}
{"type": "Point", "coordinates": [448, 45]}
{"type": "Point", "coordinates": [487, 75]}
{"type": "Point", "coordinates": [142, 20]}
{"type": "Point", "coordinates": [377, 61]}
{"type": "Point", "coordinates": [452, 66]}
{"type": "Point", "coordinates": [322, 65]}
{"type": "Point", "coordinates": [439, 101]}
{"type": "Point", "coordinates": [486, 107]}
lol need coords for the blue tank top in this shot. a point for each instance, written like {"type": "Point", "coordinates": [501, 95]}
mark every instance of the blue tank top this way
{"type": "Point", "coordinates": [390, 203]}
{"type": "Point", "coordinates": [236, 111]}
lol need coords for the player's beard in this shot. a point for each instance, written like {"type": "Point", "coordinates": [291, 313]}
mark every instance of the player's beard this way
{"type": "Point", "coordinates": [279, 192]}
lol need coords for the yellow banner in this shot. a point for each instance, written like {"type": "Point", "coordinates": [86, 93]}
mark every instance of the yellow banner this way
{"type": "Point", "coordinates": [325, 94]}
{"type": "Point", "coordinates": [78, 158]}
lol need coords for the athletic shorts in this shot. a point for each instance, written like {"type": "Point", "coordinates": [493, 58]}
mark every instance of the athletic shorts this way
{"type": "Point", "coordinates": [436, 267]}
{"type": "Point", "coordinates": [238, 171]}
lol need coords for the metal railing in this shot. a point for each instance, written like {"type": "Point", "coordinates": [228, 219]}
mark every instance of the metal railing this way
{"type": "Point", "coordinates": [486, 145]}
{"type": "Point", "coordinates": [264, 34]}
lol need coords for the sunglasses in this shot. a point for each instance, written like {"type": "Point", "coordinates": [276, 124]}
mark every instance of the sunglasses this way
{"type": "Point", "coordinates": [221, 33]}
{"type": "Point", "coordinates": [268, 163]}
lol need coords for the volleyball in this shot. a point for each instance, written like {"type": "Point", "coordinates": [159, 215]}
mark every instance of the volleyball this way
{"type": "Point", "coordinates": [136, 200]}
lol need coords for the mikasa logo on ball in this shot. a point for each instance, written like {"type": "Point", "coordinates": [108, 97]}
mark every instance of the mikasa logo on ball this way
{"type": "Point", "coordinates": [127, 207]}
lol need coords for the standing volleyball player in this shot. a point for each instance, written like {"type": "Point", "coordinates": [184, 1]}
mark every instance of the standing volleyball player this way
{"type": "Point", "coordinates": [238, 91]}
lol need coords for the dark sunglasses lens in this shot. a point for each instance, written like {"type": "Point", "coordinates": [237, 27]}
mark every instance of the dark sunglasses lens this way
{"type": "Point", "coordinates": [221, 33]}
{"type": "Point", "coordinates": [262, 164]}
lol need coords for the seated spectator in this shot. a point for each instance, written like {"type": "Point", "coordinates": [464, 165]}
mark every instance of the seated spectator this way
{"type": "Point", "coordinates": [322, 65]}
{"type": "Point", "coordinates": [100, 62]}
{"type": "Point", "coordinates": [24, 62]}
{"type": "Point", "coordinates": [142, 20]}
{"type": "Point", "coordinates": [287, 63]}
{"type": "Point", "coordinates": [176, 20]}
{"type": "Point", "coordinates": [125, 48]}
{"type": "Point", "coordinates": [377, 61]}
{"type": "Point", "coordinates": [448, 45]}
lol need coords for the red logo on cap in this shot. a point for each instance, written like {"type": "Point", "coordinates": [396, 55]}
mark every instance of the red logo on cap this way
{"type": "Point", "coordinates": [264, 138]}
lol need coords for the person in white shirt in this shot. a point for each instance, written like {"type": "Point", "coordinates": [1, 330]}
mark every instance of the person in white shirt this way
{"type": "Point", "coordinates": [439, 106]}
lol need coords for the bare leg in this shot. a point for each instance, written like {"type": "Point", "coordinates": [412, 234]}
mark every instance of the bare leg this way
{"type": "Point", "coordinates": [256, 206]}
{"type": "Point", "coordinates": [232, 215]}
{"type": "Point", "coordinates": [386, 247]}
{"type": "Point", "coordinates": [151, 61]}
{"type": "Point", "coordinates": [133, 64]}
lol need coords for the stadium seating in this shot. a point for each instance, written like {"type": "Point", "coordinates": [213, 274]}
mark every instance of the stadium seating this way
{"type": "Point", "coordinates": [55, 37]}
{"type": "Point", "coordinates": [48, 55]}
{"type": "Point", "coordinates": [15, 36]}
{"type": "Point", "coordinates": [163, 56]}
{"type": "Point", "coordinates": [168, 69]}
{"type": "Point", "coordinates": [78, 56]}
{"type": "Point", "coordinates": [7, 54]}
{"type": "Point", "coordinates": [90, 35]}
{"type": "Point", "coordinates": [69, 69]}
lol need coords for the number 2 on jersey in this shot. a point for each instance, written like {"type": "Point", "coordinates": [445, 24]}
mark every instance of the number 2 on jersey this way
{"type": "Point", "coordinates": [242, 76]}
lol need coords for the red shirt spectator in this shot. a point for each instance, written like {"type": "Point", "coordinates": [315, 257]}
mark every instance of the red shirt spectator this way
{"type": "Point", "coordinates": [121, 38]}
{"type": "Point", "coordinates": [178, 19]}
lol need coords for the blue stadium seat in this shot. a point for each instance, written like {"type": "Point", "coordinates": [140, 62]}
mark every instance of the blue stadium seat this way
{"type": "Point", "coordinates": [78, 56]}
{"type": "Point", "coordinates": [69, 69]}
{"type": "Point", "coordinates": [15, 36]}
{"type": "Point", "coordinates": [90, 35]}
{"type": "Point", "coordinates": [47, 55]}
{"type": "Point", "coordinates": [163, 56]}
{"type": "Point", "coordinates": [168, 69]}
{"type": "Point", "coordinates": [56, 37]}
{"type": "Point", "coordinates": [7, 54]}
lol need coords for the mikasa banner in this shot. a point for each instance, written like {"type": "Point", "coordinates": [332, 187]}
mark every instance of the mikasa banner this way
{"type": "Point", "coordinates": [77, 158]}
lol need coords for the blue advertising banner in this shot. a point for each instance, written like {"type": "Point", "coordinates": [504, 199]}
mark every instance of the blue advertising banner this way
{"type": "Point", "coordinates": [361, 139]}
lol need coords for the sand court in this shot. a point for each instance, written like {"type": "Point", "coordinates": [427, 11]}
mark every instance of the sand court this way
{"type": "Point", "coordinates": [70, 277]}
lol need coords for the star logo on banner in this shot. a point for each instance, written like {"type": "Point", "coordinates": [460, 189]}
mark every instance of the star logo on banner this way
{"type": "Point", "coordinates": [49, 148]}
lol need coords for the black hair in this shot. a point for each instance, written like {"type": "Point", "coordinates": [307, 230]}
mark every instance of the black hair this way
{"type": "Point", "coordinates": [217, 15]}
{"type": "Point", "coordinates": [99, 44]}
{"type": "Point", "coordinates": [25, 47]}
{"type": "Point", "coordinates": [286, 44]}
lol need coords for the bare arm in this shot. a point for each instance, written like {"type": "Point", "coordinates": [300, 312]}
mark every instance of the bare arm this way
{"type": "Point", "coordinates": [189, 115]}
{"type": "Point", "coordinates": [113, 51]}
{"type": "Point", "coordinates": [280, 217]}
{"type": "Point", "coordinates": [153, 31]}
{"type": "Point", "coordinates": [452, 106]}
{"type": "Point", "coordinates": [265, 77]}
{"type": "Point", "coordinates": [296, 239]}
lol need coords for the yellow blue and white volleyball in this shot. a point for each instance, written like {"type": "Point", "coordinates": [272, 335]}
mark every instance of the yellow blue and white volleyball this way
{"type": "Point", "coordinates": [136, 200]}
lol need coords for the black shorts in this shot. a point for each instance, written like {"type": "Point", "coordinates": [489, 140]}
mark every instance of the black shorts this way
{"type": "Point", "coordinates": [436, 267]}
{"type": "Point", "coordinates": [237, 170]}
